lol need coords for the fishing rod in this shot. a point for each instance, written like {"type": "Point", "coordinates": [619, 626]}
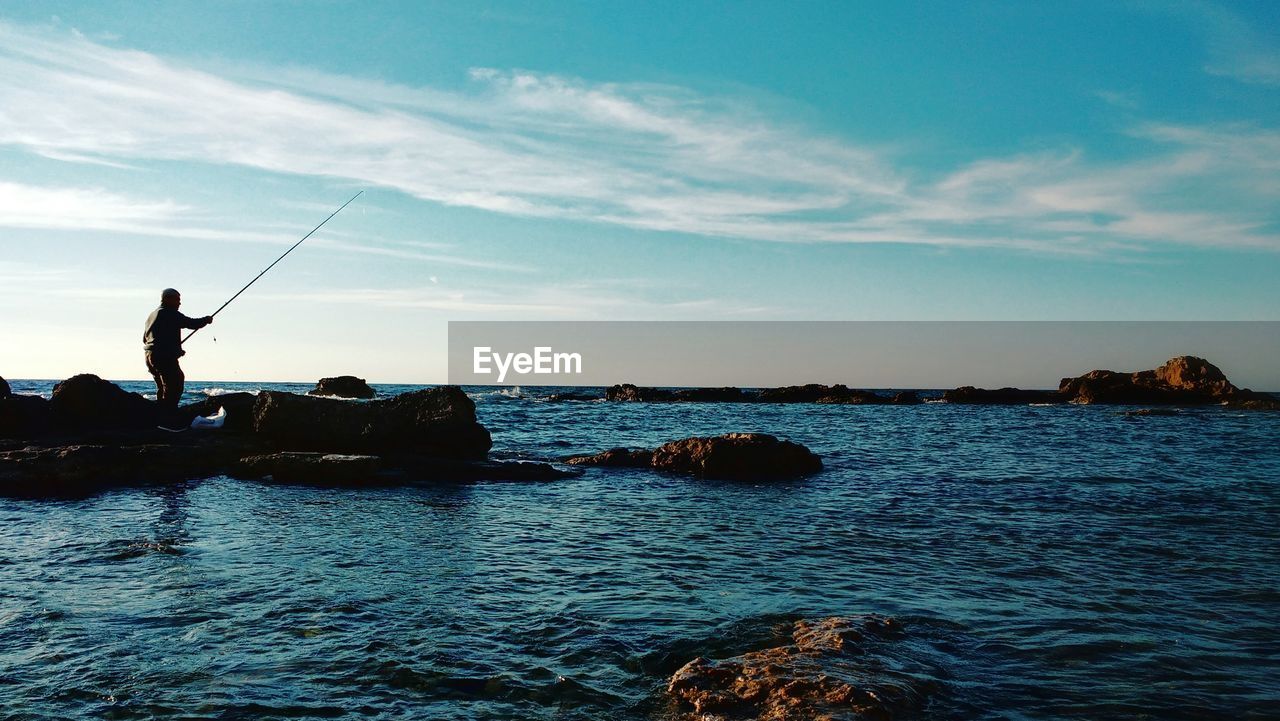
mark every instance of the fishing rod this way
{"type": "Point", "coordinates": [273, 263]}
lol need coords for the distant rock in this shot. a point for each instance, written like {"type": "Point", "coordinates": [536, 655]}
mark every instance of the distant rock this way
{"type": "Point", "coordinates": [968, 395]}
{"type": "Point", "coordinates": [1184, 380]}
{"type": "Point", "coordinates": [737, 456]}
{"type": "Point", "coordinates": [827, 672]}
{"type": "Point", "coordinates": [817, 393]}
{"type": "Point", "coordinates": [86, 401]}
{"type": "Point", "coordinates": [571, 396]}
{"type": "Point", "coordinates": [906, 398]}
{"type": "Point", "coordinates": [343, 387]}
{"type": "Point", "coordinates": [727, 394]}
{"type": "Point", "coordinates": [732, 456]}
{"type": "Point", "coordinates": [634, 393]}
{"type": "Point", "coordinates": [615, 458]}
{"type": "Point", "coordinates": [435, 421]}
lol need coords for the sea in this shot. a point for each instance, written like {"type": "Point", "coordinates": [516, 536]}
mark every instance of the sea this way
{"type": "Point", "coordinates": [1060, 562]}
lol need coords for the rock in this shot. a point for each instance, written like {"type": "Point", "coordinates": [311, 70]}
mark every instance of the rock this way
{"type": "Point", "coordinates": [1188, 373]}
{"type": "Point", "coordinates": [239, 410]}
{"type": "Point", "coordinates": [727, 394]}
{"type": "Point", "coordinates": [827, 672]}
{"type": "Point", "coordinates": [968, 395]}
{"type": "Point", "coordinates": [906, 398]}
{"type": "Point", "coordinates": [1253, 400]}
{"type": "Point", "coordinates": [1152, 412]}
{"type": "Point", "coordinates": [312, 468]}
{"type": "Point", "coordinates": [1184, 380]}
{"type": "Point", "coordinates": [4, 389]}
{"type": "Point", "coordinates": [342, 387]}
{"type": "Point", "coordinates": [817, 393]}
{"type": "Point", "coordinates": [737, 456]}
{"type": "Point", "coordinates": [435, 421]}
{"type": "Point", "coordinates": [615, 458]}
{"type": "Point", "coordinates": [634, 393]}
{"type": "Point", "coordinates": [573, 397]}
{"type": "Point", "coordinates": [79, 469]}
{"type": "Point", "coordinates": [86, 401]}
{"type": "Point", "coordinates": [24, 417]}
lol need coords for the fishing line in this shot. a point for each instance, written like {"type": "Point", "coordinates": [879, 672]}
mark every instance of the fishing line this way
{"type": "Point", "coordinates": [273, 263]}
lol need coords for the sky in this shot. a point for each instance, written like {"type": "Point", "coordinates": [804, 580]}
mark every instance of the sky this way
{"type": "Point", "coordinates": [620, 161]}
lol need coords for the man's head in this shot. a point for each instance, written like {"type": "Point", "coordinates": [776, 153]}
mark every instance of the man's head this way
{"type": "Point", "coordinates": [170, 298]}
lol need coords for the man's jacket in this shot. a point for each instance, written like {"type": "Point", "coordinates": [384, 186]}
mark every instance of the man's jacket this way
{"type": "Point", "coordinates": [163, 335]}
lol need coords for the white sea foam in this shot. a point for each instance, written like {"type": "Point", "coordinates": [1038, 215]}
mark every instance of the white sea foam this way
{"type": "Point", "coordinates": [223, 391]}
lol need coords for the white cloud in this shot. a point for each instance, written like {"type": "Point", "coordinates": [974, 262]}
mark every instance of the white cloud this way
{"type": "Point", "coordinates": [645, 156]}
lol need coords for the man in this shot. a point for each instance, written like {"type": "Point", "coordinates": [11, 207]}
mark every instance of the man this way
{"type": "Point", "coordinates": [162, 341]}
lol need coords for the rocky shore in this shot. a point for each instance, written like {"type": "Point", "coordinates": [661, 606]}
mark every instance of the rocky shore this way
{"type": "Point", "coordinates": [823, 671]}
{"type": "Point", "coordinates": [92, 434]}
{"type": "Point", "coordinates": [1181, 381]}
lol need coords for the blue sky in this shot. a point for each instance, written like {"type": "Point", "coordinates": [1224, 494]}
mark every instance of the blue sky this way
{"type": "Point", "coordinates": [560, 161]}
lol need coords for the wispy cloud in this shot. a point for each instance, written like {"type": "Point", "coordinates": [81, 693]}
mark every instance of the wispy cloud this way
{"type": "Point", "coordinates": [654, 157]}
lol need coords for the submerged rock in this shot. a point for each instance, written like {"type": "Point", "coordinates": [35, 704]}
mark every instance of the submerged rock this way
{"type": "Point", "coordinates": [616, 458]}
{"type": "Point", "coordinates": [312, 468]}
{"type": "Point", "coordinates": [343, 387]}
{"type": "Point", "coordinates": [825, 672]}
{"type": "Point", "coordinates": [78, 469]}
{"type": "Point", "coordinates": [1152, 412]}
{"type": "Point", "coordinates": [434, 421]}
{"type": "Point", "coordinates": [737, 456]}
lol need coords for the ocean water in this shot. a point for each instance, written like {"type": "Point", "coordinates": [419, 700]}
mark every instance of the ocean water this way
{"type": "Point", "coordinates": [1046, 562]}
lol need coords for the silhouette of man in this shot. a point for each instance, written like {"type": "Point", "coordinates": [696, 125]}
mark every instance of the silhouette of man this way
{"type": "Point", "coordinates": [162, 340]}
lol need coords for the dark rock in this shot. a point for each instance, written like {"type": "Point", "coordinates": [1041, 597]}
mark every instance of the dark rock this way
{"type": "Point", "coordinates": [239, 410]}
{"type": "Point", "coordinates": [1152, 412]}
{"type": "Point", "coordinates": [827, 671]}
{"type": "Point", "coordinates": [906, 398]}
{"type": "Point", "coordinates": [24, 417]}
{"type": "Point", "coordinates": [435, 421]}
{"type": "Point", "coordinates": [86, 401]}
{"type": "Point", "coordinates": [737, 456]}
{"type": "Point", "coordinates": [634, 393]}
{"type": "Point", "coordinates": [1001, 396]}
{"type": "Point", "coordinates": [1253, 400]}
{"type": "Point", "coordinates": [817, 393]}
{"type": "Point", "coordinates": [573, 397]}
{"type": "Point", "coordinates": [1184, 380]}
{"type": "Point", "coordinates": [80, 469]}
{"type": "Point", "coordinates": [727, 394]}
{"type": "Point", "coordinates": [616, 458]}
{"type": "Point", "coordinates": [4, 389]}
{"type": "Point", "coordinates": [342, 387]}
{"type": "Point", "coordinates": [312, 468]}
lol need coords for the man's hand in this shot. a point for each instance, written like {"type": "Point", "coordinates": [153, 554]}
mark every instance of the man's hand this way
{"type": "Point", "coordinates": [208, 319]}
